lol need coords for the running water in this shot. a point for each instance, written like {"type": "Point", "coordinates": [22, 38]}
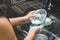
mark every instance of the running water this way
{"type": "Point", "coordinates": [39, 19]}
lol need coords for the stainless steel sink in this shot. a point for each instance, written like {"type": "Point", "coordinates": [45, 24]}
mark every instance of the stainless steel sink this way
{"type": "Point", "coordinates": [52, 31]}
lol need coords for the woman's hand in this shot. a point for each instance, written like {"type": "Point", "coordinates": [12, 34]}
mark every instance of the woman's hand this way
{"type": "Point", "coordinates": [32, 33]}
{"type": "Point", "coordinates": [30, 15]}
{"type": "Point", "coordinates": [35, 30]}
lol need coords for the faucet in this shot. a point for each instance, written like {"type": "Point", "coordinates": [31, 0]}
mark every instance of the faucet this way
{"type": "Point", "coordinates": [49, 5]}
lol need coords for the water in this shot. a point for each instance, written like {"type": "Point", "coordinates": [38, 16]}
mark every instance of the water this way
{"type": "Point", "coordinates": [40, 17]}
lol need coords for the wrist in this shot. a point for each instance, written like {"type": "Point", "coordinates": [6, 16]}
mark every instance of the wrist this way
{"type": "Point", "coordinates": [26, 18]}
{"type": "Point", "coordinates": [32, 31]}
{"type": "Point", "coordinates": [30, 36]}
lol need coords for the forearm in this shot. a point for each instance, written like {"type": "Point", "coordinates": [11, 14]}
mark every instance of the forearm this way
{"type": "Point", "coordinates": [30, 36]}
{"type": "Point", "coordinates": [32, 33]}
{"type": "Point", "coordinates": [18, 20]}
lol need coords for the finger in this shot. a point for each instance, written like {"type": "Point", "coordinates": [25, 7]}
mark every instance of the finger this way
{"type": "Point", "coordinates": [32, 11]}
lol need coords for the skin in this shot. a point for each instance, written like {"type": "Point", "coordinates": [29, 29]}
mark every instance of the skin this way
{"type": "Point", "coordinates": [6, 28]}
{"type": "Point", "coordinates": [32, 33]}
{"type": "Point", "coordinates": [20, 20]}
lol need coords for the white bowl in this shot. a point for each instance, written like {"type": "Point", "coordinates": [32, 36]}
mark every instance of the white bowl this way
{"type": "Point", "coordinates": [40, 16]}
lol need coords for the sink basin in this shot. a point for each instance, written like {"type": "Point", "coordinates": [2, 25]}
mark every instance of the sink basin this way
{"type": "Point", "coordinates": [54, 28]}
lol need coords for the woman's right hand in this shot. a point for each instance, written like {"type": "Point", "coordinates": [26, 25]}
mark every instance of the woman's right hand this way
{"type": "Point", "coordinates": [31, 34]}
{"type": "Point", "coordinates": [35, 30]}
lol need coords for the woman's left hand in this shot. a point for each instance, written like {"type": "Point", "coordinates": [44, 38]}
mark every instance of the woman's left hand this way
{"type": "Point", "coordinates": [30, 15]}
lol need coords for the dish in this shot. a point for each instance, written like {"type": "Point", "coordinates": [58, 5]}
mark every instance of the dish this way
{"type": "Point", "coordinates": [41, 37]}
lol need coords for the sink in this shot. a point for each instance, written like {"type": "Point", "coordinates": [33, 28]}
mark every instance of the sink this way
{"type": "Point", "coordinates": [51, 31]}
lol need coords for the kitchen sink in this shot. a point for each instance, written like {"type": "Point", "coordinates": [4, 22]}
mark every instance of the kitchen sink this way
{"type": "Point", "coordinates": [52, 31]}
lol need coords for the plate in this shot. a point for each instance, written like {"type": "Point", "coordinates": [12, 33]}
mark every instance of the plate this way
{"type": "Point", "coordinates": [41, 37]}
